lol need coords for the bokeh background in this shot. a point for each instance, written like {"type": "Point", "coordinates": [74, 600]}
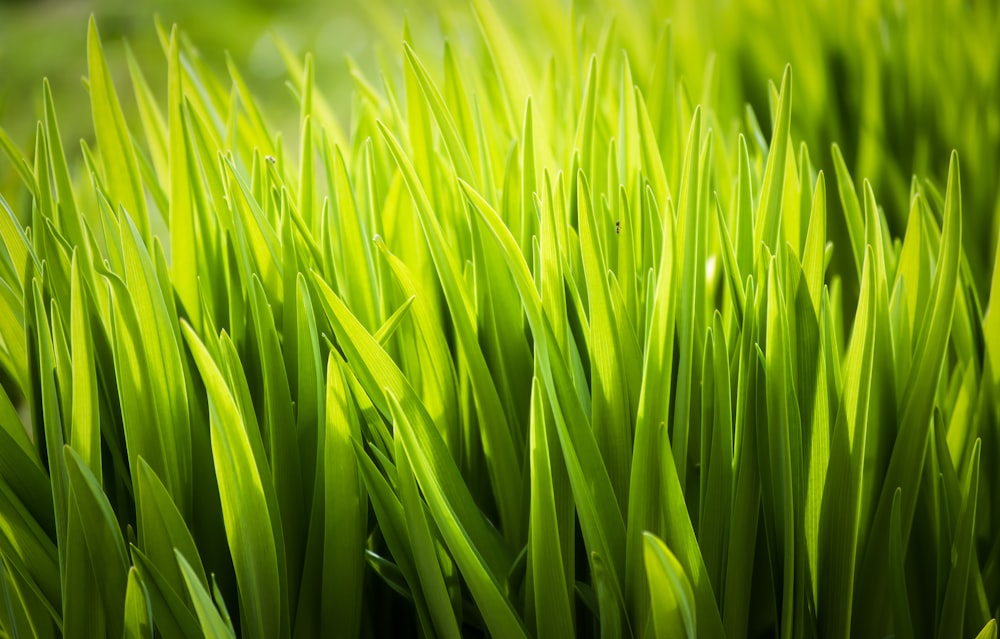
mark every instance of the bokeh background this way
{"type": "Point", "coordinates": [897, 83]}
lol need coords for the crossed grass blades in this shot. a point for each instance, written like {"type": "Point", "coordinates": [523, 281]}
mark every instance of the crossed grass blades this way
{"type": "Point", "coordinates": [521, 349]}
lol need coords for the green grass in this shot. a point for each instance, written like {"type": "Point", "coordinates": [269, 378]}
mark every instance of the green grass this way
{"type": "Point", "coordinates": [536, 340]}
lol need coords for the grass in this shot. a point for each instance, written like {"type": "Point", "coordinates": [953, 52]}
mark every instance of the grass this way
{"type": "Point", "coordinates": [525, 346]}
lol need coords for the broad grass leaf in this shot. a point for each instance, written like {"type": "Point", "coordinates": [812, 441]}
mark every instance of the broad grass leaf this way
{"type": "Point", "coordinates": [552, 605]}
{"type": "Point", "coordinates": [83, 611]}
{"type": "Point", "coordinates": [673, 599]}
{"type": "Point", "coordinates": [171, 615]}
{"type": "Point", "coordinates": [105, 546]}
{"type": "Point", "coordinates": [28, 551]}
{"type": "Point", "coordinates": [425, 553]}
{"type": "Point", "coordinates": [611, 413]}
{"type": "Point", "coordinates": [746, 494]}
{"type": "Point", "coordinates": [138, 610]}
{"type": "Point", "coordinates": [989, 631]}
{"type": "Point", "coordinates": [281, 439]}
{"type": "Point", "coordinates": [345, 512]}
{"type": "Point", "coordinates": [252, 541]}
{"type": "Point", "coordinates": [85, 434]}
{"type": "Point", "coordinates": [162, 531]}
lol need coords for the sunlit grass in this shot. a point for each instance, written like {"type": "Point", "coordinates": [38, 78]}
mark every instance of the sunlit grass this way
{"type": "Point", "coordinates": [521, 347]}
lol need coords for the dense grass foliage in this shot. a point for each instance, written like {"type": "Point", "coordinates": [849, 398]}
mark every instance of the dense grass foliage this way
{"type": "Point", "coordinates": [527, 345]}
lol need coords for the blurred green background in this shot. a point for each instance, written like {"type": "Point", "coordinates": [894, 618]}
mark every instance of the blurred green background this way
{"type": "Point", "coordinates": [898, 84]}
{"type": "Point", "coordinates": [47, 38]}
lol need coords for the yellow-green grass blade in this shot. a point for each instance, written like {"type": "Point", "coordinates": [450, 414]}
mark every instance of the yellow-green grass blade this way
{"type": "Point", "coordinates": [146, 335]}
{"type": "Point", "coordinates": [345, 512]}
{"type": "Point", "coordinates": [841, 507]}
{"type": "Point", "coordinates": [953, 608]}
{"type": "Point", "coordinates": [916, 406]}
{"type": "Point", "coordinates": [85, 435]}
{"type": "Point", "coordinates": [989, 631]}
{"type": "Point", "coordinates": [813, 254]}
{"type": "Point", "coordinates": [851, 206]}
{"type": "Point", "coordinates": [104, 544]}
{"type": "Point", "coordinates": [420, 343]}
{"type": "Point", "coordinates": [68, 218]}
{"type": "Point", "coordinates": [46, 415]}
{"type": "Point", "coordinates": [511, 78]}
{"type": "Point", "coordinates": [212, 624]}
{"type": "Point", "coordinates": [83, 610]}
{"type": "Point", "coordinates": [600, 515]}
{"type": "Point", "coordinates": [185, 247]}
{"type": "Point", "coordinates": [29, 551]}
{"type": "Point", "coordinates": [171, 615]}
{"type": "Point", "coordinates": [716, 454]}
{"type": "Point", "coordinates": [245, 510]}
{"type": "Point", "coordinates": [153, 124]}
{"type": "Point", "coordinates": [21, 468]}
{"type": "Point", "coordinates": [281, 439]}
{"type": "Point", "coordinates": [121, 169]}
{"type": "Point", "coordinates": [425, 552]}
{"type": "Point", "coordinates": [768, 222]}
{"type": "Point", "coordinates": [389, 514]}
{"type": "Point", "coordinates": [746, 494]}
{"type": "Point", "coordinates": [902, 620]}
{"type": "Point", "coordinates": [672, 597]}
{"type": "Point", "coordinates": [505, 470]}
{"type": "Point", "coordinates": [457, 150]}
{"type": "Point", "coordinates": [644, 506]}
{"type": "Point", "coordinates": [611, 414]}
{"type": "Point", "coordinates": [691, 299]}
{"type": "Point", "coordinates": [380, 377]}
{"type": "Point", "coordinates": [552, 606]}
{"type": "Point", "coordinates": [162, 531]}
{"type": "Point", "coordinates": [138, 610]}
{"type": "Point", "coordinates": [17, 251]}
{"type": "Point", "coordinates": [500, 618]}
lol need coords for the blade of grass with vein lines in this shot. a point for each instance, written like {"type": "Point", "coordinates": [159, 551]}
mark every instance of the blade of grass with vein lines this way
{"type": "Point", "coordinates": [244, 505]}
{"type": "Point", "coordinates": [552, 606]}
{"type": "Point", "coordinates": [345, 518]}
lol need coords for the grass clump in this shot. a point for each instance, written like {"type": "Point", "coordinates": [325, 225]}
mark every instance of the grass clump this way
{"type": "Point", "coordinates": [516, 349]}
